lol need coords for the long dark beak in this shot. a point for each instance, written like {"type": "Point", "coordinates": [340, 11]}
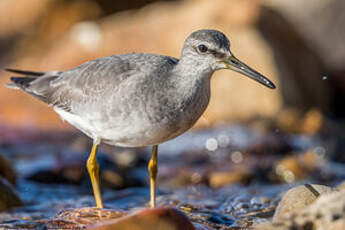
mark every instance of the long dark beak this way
{"type": "Point", "coordinates": [236, 65]}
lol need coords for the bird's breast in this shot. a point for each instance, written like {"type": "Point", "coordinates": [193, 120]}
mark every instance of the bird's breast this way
{"type": "Point", "coordinates": [178, 109]}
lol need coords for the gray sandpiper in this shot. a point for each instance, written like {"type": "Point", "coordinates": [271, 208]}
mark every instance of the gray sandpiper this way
{"type": "Point", "coordinates": [136, 100]}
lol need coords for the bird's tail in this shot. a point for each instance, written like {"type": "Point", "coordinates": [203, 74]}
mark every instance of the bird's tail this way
{"type": "Point", "coordinates": [22, 82]}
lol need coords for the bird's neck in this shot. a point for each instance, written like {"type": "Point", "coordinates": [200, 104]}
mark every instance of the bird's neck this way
{"type": "Point", "coordinates": [193, 85]}
{"type": "Point", "coordinates": [192, 70]}
{"type": "Point", "coordinates": [189, 76]}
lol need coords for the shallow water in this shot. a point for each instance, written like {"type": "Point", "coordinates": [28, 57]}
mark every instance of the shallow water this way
{"type": "Point", "coordinates": [52, 176]}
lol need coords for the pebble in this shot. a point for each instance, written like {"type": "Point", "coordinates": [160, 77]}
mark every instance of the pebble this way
{"type": "Point", "coordinates": [162, 218]}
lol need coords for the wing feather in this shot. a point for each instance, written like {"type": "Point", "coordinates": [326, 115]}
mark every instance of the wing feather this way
{"type": "Point", "coordinates": [88, 82]}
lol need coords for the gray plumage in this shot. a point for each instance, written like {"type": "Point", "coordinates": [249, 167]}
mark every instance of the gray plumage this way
{"type": "Point", "coordinates": [133, 99]}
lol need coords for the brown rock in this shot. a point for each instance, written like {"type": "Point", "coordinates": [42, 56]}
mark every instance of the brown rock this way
{"type": "Point", "coordinates": [149, 219]}
{"type": "Point", "coordinates": [296, 167]}
{"type": "Point", "coordinates": [7, 171]}
{"type": "Point", "coordinates": [293, 120]}
{"type": "Point", "coordinates": [299, 197]}
{"type": "Point", "coordinates": [312, 122]}
{"type": "Point", "coordinates": [221, 179]}
{"type": "Point", "coordinates": [288, 120]}
{"type": "Point", "coordinates": [8, 196]}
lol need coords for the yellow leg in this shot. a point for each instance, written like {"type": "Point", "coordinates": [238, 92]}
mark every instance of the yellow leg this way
{"type": "Point", "coordinates": [153, 174]}
{"type": "Point", "coordinates": [93, 168]}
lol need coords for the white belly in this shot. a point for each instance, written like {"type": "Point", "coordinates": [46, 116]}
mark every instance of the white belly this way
{"type": "Point", "coordinates": [136, 134]}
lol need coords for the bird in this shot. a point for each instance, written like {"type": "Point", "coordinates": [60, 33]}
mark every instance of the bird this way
{"type": "Point", "coordinates": [137, 99]}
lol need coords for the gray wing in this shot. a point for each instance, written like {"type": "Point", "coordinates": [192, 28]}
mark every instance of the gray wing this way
{"type": "Point", "coordinates": [91, 81]}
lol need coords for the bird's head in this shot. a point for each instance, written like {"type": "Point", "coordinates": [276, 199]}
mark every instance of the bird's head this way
{"type": "Point", "coordinates": [210, 49]}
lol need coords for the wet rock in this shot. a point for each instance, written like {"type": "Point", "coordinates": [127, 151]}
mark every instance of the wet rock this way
{"type": "Point", "coordinates": [80, 218]}
{"type": "Point", "coordinates": [150, 219]}
{"type": "Point", "coordinates": [8, 197]}
{"type": "Point", "coordinates": [7, 171]}
{"type": "Point", "coordinates": [206, 216]}
{"type": "Point", "coordinates": [299, 197]}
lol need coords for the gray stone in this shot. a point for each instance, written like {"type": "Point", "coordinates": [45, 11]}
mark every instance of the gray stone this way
{"type": "Point", "coordinates": [325, 212]}
{"type": "Point", "coordinates": [298, 198]}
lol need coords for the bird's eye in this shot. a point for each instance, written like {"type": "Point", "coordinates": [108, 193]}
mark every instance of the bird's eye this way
{"type": "Point", "coordinates": [202, 48]}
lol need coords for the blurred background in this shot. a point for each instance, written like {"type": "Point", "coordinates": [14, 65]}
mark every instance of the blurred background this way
{"type": "Point", "coordinates": [251, 144]}
{"type": "Point", "coordinates": [299, 45]}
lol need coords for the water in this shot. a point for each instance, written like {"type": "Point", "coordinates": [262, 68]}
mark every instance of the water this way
{"type": "Point", "coordinates": [187, 165]}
